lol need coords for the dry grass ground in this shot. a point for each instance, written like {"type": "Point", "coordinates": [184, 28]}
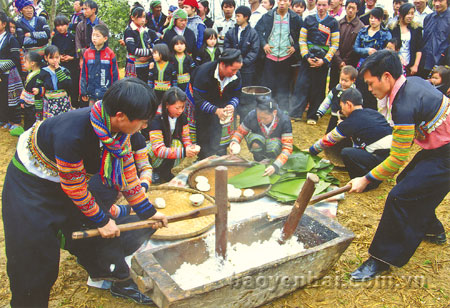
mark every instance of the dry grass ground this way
{"type": "Point", "coordinates": [359, 213]}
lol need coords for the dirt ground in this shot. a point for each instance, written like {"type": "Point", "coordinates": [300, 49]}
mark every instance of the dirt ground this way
{"type": "Point", "coordinates": [423, 282]}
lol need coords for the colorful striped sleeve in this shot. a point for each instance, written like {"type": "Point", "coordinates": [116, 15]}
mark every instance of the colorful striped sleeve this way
{"type": "Point", "coordinates": [240, 133]}
{"type": "Point", "coordinates": [286, 150]}
{"type": "Point", "coordinates": [334, 46]}
{"type": "Point", "coordinates": [327, 141]}
{"type": "Point", "coordinates": [159, 148]}
{"type": "Point", "coordinates": [185, 136]}
{"type": "Point", "coordinates": [144, 168]}
{"type": "Point", "coordinates": [73, 182]}
{"type": "Point", "coordinates": [134, 193]}
{"type": "Point", "coordinates": [402, 140]}
{"type": "Point", "coordinates": [323, 108]}
{"type": "Point", "coordinates": [302, 42]}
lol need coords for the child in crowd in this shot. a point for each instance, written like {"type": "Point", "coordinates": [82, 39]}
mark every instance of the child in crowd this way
{"type": "Point", "coordinates": [182, 61]}
{"type": "Point", "coordinates": [65, 41]}
{"type": "Point", "coordinates": [10, 80]}
{"type": "Point", "coordinates": [31, 103]}
{"type": "Point", "coordinates": [99, 70]}
{"type": "Point", "coordinates": [139, 41]}
{"type": "Point", "coordinates": [395, 44]}
{"type": "Point", "coordinates": [210, 50]}
{"type": "Point", "coordinates": [268, 132]}
{"type": "Point", "coordinates": [169, 136]}
{"type": "Point", "coordinates": [53, 84]}
{"type": "Point", "coordinates": [346, 80]}
{"type": "Point", "coordinates": [12, 29]}
{"type": "Point", "coordinates": [298, 6]}
{"type": "Point", "coordinates": [440, 78]}
{"type": "Point", "coordinates": [163, 74]}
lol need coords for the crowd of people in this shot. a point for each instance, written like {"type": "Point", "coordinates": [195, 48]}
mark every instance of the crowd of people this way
{"type": "Point", "coordinates": [87, 134]}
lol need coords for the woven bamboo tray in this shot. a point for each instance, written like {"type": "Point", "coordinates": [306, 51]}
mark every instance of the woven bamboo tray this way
{"type": "Point", "coordinates": [234, 168]}
{"type": "Point", "coordinates": [177, 202]}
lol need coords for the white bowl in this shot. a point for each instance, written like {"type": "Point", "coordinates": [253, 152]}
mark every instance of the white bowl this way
{"type": "Point", "coordinates": [196, 199]}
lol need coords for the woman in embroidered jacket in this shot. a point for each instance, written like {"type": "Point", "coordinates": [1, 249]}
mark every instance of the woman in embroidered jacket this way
{"type": "Point", "coordinates": [268, 133]}
{"type": "Point", "coordinates": [46, 187]}
{"type": "Point", "coordinates": [169, 136]}
{"type": "Point", "coordinates": [33, 31]}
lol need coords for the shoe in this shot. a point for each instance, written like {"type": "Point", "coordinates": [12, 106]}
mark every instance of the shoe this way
{"type": "Point", "coordinates": [369, 270]}
{"type": "Point", "coordinates": [7, 125]}
{"type": "Point", "coordinates": [128, 289]}
{"type": "Point", "coordinates": [436, 238]}
{"type": "Point", "coordinates": [295, 119]}
{"type": "Point", "coordinates": [311, 122]}
{"type": "Point", "coordinates": [16, 130]}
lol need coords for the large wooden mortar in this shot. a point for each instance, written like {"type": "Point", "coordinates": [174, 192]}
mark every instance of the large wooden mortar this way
{"type": "Point", "coordinates": [325, 240]}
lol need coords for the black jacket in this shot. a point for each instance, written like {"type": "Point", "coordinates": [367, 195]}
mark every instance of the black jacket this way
{"type": "Point", "coordinates": [265, 25]}
{"type": "Point", "coordinates": [248, 45]}
{"type": "Point", "coordinates": [415, 44]}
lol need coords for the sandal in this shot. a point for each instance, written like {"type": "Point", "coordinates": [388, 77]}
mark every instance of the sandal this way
{"type": "Point", "coordinates": [311, 122]}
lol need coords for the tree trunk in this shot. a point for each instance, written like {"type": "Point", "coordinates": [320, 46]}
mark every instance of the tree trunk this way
{"type": "Point", "coordinates": [52, 13]}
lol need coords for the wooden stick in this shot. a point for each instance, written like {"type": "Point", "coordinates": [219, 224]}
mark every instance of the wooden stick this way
{"type": "Point", "coordinates": [205, 211]}
{"type": "Point", "coordinates": [330, 194]}
{"type": "Point", "coordinates": [299, 208]}
{"type": "Point", "coordinates": [222, 211]}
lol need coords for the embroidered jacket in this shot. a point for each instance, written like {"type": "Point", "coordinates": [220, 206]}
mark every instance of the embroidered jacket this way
{"type": "Point", "coordinates": [332, 100]}
{"type": "Point", "coordinates": [205, 55]}
{"type": "Point", "coordinates": [281, 129]}
{"type": "Point", "coordinates": [420, 114]}
{"type": "Point", "coordinates": [10, 50]}
{"type": "Point", "coordinates": [38, 29]}
{"type": "Point", "coordinates": [99, 72]}
{"type": "Point", "coordinates": [45, 82]}
{"type": "Point", "coordinates": [138, 41]}
{"type": "Point", "coordinates": [184, 67]}
{"type": "Point", "coordinates": [161, 79]}
{"type": "Point", "coordinates": [161, 138]}
{"type": "Point", "coordinates": [321, 33]}
{"type": "Point", "coordinates": [72, 148]}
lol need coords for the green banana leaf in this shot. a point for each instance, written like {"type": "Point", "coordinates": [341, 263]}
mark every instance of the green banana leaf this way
{"type": "Point", "coordinates": [299, 162]}
{"type": "Point", "coordinates": [250, 177]}
{"type": "Point", "coordinates": [289, 190]}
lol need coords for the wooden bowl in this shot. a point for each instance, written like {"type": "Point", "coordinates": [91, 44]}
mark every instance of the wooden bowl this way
{"type": "Point", "coordinates": [177, 202]}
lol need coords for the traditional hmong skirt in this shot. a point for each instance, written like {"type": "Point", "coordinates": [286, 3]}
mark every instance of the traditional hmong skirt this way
{"type": "Point", "coordinates": [27, 98]}
{"type": "Point", "coordinates": [56, 102]}
{"type": "Point", "coordinates": [15, 87]}
{"type": "Point", "coordinates": [157, 161]}
{"type": "Point", "coordinates": [189, 111]}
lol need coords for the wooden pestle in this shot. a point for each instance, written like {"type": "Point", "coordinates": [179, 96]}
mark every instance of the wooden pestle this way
{"type": "Point", "coordinates": [221, 174]}
{"type": "Point", "coordinates": [299, 207]}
